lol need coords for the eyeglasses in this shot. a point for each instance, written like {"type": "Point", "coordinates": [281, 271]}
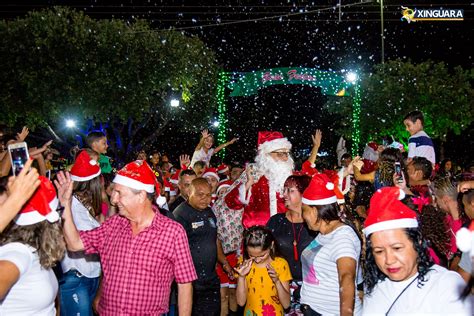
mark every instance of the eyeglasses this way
{"type": "Point", "coordinates": [281, 154]}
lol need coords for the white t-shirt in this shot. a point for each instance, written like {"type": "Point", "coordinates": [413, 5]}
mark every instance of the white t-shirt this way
{"type": "Point", "coordinates": [320, 277]}
{"type": "Point", "coordinates": [36, 288]}
{"type": "Point", "coordinates": [439, 295]}
{"type": "Point", "coordinates": [88, 265]}
{"type": "Point", "coordinates": [200, 155]}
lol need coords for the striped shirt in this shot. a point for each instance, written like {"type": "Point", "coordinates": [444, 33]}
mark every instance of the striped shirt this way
{"type": "Point", "coordinates": [320, 277]}
{"type": "Point", "coordinates": [421, 145]}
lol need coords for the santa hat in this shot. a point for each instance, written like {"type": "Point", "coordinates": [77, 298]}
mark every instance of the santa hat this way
{"type": "Point", "coordinates": [370, 151]}
{"type": "Point", "coordinates": [271, 141]}
{"type": "Point", "coordinates": [223, 185]}
{"type": "Point", "coordinates": [211, 172]}
{"type": "Point", "coordinates": [41, 206]}
{"type": "Point", "coordinates": [388, 212]}
{"type": "Point", "coordinates": [175, 177]}
{"type": "Point", "coordinates": [85, 168]}
{"type": "Point", "coordinates": [320, 191]}
{"type": "Point", "coordinates": [334, 178]}
{"type": "Point", "coordinates": [222, 168]}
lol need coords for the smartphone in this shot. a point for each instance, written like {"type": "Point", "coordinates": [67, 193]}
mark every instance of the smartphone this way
{"type": "Point", "coordinates": [18, 156]}
{"type": "Point", "coordinates": [398, 172]}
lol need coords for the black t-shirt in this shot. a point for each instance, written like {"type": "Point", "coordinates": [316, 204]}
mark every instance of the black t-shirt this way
{"type": "Point", "coordinates": [176, 203]}
{"type": "Point", "coordinates": [282, 230]}
{"type": "Point", "coordinates": [201, 230]}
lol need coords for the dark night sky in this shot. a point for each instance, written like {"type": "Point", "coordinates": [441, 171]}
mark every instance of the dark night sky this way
{"type": "Point", "coordinates": [302, 33]}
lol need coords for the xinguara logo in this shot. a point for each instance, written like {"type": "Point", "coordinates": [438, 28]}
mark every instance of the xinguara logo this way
{"type": "Point", "coordinates": [441, 14]}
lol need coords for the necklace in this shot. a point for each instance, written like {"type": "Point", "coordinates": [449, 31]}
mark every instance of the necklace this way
{"type": "Point", "coordinates": [296, 238]}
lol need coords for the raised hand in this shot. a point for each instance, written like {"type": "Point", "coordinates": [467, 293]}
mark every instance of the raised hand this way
{"type": "Point", "coordinates": [317, 138]}
{"type": "Point", "coordinates": [244, 268]}
{"type": "Point", "coordinates": [358, 163]}
{"type": "Point", "coordinates": [184, 160]}
{"type": "Point", "coordinates": [64, 186]}
{"type": "Point", "coordinates": [205, 133]}
{"type": "Point", "coordinates": [23, 134]}
{"type": "Point", "coordinates": [24, 184]}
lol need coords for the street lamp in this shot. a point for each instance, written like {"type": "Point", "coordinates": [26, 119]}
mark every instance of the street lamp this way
{"type": "Point", "coordinates": [351, 77]}
{"type": "Point", "coordinates": [215, 123]}
{"type": "Point", "coordinates": [70, 123]}
{"type": "Point", "coordinates": [174, 103]}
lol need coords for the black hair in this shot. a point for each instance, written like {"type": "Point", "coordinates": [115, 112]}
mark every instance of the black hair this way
{"type": "Point", "coordinates": [259, 237]}
{"type": "Point", "coordinates": [346, 156]}
{"type": "Point", "coordinates": [373, 274]}
{"type": "Point", "coordinates": [199, 163]}
{"type": "Point", "coordinates": [415, 115]}
{"type": "Point", "coordinates": [424, 165]}
{"type": "Point", "coordinates": [186, 172]}
{"type": "Point", "coordinates": [93, 137]}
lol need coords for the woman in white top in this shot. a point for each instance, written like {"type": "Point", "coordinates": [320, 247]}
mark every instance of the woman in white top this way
{"type": "Point", "coordinates": [400, 278]}
{"type": "Point", "coordinates": [79, 283]}
{"type": "Point", "coordinates": [204, 150]}
{"type": "Point", "coordinates": [29, 248]}
{"type": "Point", "coordinates": [330, 262]}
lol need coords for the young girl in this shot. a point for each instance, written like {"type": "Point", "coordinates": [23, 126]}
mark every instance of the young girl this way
{"type": "Point", "coordinates": [204, 150]}
{"type": "Point", "coordinates": [263, 283]}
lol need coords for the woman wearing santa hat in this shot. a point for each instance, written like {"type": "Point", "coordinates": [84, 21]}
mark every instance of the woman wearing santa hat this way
{"type": "Point", "coordinates": [400, 277]}
{"type": "Point", "coordinates": [81, 272]}
{"type": "Point", "coordinates": [29, 248]}
{"type": "Point", "coordinates": [330, 262]}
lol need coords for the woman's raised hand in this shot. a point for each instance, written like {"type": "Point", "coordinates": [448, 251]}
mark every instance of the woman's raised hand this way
{"type": "Point", "coordinates": [244, 268]}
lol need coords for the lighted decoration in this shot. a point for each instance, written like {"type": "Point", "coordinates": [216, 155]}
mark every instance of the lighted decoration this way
{"type": "Point", "coordinates": [248, 83]}
{"type": "Point", "coordinates": [222, 110]}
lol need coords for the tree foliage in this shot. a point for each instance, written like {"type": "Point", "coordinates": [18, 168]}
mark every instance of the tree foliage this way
{"type": "Point", "coordinates": [60, 63]}
{"type": "Point", "coordinates": [444, 95]}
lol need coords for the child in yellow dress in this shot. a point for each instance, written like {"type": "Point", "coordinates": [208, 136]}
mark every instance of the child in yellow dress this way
{"type": "Point", "coordinates": [263, 284]}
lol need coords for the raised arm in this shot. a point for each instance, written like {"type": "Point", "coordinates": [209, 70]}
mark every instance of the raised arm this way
{"type": "Point", "coordinates": [316, 144]}
{"type": "Point", "coordinates": [71, 234]}
{"type": "Point", "coordinates": [20, 189]}
{"type": "Point", "coordinates": [204, 135]}
{"type": "Point", "coordinates": [221, 146]}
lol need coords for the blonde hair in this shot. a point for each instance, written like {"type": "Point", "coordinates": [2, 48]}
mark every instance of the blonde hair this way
{"type": "Point", "coordinates": [47, 238]}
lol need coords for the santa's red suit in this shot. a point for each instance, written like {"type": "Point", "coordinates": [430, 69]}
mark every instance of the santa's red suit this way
{"type": "Point", "coordinates": [258, 205]}
{"type": "Point", "coordinates": [263, 199]}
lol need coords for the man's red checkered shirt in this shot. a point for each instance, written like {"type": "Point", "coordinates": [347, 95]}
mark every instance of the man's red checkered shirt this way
{"type": "Point", "coordinates": [138, 270]}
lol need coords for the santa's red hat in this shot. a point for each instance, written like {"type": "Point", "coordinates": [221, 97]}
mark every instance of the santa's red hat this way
{"type": "Point", "coordinates": [320, 191]}
{"type": "Point", "coordinates": [175, 177]}
{"type": "Point", "coordinates": [222, 168]}
{"type": "Point", "coordinates": [85, 168]}
{"type": "Point", "coordinates": [211, 172]}
{"type": "Point", "coordinates": [41, 206]}
{"type": "Point", "coordinates": [137, 175]}
{"type": "Point", "coordinates": [223, 185]}
{"type": "Point", "coordinates": [388, 212]}
{"type": "Point", "coordinates": [271, 141]}
{"type": "Point", "coordinates": [334, 177]}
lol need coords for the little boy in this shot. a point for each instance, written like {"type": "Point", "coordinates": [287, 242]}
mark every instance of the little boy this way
{"type": "Point", "coordinates": [419, 143]}
{"type": "Point", "coordinates": [97, 141]}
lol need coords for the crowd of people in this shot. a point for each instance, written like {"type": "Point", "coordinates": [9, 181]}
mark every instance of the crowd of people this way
{"type": "Point", "coordinates": [381, 234]}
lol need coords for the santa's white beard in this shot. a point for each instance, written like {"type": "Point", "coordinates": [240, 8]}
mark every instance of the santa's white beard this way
{"type": "Point", "coordinates": [276, 172]}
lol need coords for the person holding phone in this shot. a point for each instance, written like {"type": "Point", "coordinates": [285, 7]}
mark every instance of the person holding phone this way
{"type": "Point", "coordinates": [263, 284]}
{"type": "Point", "coordinates": [20, 189]}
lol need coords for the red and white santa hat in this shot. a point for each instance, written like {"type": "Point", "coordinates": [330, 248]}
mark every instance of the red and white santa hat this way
{"type": "Point", "coordinates": [320, 191]}
{"type": "Point", "coordinates": [386, 211]}
{"type": "Point", "coordinates": [41, 206]}
{"type": "Point", "coordinates": [271, 141]}
{"type": "Point", "coordinates": [222, 168]}
{"type": "Point", "coordinates": [85, 168]}
{"type": "Point", "coordinates": [139, 176]}
{"type": "Point", "coordinates": [174, 179]}
{"type": "Point", "coordinates": [211, 172]}
{"type": "Point", "coordinates": [223, 185]}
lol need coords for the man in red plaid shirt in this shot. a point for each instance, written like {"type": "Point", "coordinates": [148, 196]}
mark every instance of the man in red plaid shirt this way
{"type": "Point", "coordinates": [141, 251]}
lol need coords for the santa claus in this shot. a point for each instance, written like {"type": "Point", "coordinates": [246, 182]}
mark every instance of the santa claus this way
{"type": "Point", "coordinates": [260, 187]}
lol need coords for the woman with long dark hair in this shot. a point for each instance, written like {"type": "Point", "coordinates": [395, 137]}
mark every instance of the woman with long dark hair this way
{"type": "Point", "coordinates": [81, 272]}
{"type": "Point", "coordinates": [400, 277]}
{"type": "Point", "coordinates": [330, 262]}
{"type": "Point", "coordinates": [29, 248]}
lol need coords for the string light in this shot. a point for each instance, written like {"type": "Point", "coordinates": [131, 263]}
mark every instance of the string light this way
{"type": "Point", "coordinates": [222, 110]}
{"type": "Point", "coordinates": [356, 120]}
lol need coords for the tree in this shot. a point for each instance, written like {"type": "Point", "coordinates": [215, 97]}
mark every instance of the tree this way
{"type": "Point", "coordinates": [60, 63]}
{"type": "Point", "coordinates": [444, 95]}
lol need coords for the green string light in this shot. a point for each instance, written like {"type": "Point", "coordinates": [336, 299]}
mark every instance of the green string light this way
{"type": "Point", "coordinates": [356, 120]}
{"type": "Point", "coordinates": [222, 110]}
